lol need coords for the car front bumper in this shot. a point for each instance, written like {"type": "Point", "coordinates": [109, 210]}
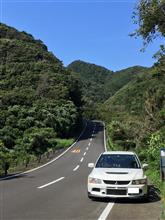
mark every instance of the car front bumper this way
{"type": "Point", "coordinates": [117, 191]}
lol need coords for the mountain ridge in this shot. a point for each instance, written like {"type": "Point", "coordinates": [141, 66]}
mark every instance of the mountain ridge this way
{"type": "Point", "coordinates": [99, 83]}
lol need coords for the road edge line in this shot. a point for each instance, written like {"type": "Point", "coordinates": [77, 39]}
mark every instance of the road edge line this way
{"type": "Point", "coordinates": [105, 143]}
{"type": "Point", "coordinates": [106, 211]}
{"type": "Point", "coordinates": [56, 158]}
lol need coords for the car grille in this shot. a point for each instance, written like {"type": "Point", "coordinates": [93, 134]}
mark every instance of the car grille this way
{"type": "Point", "coordinates": [116, 192]}
{"type": "Point", "coordinates": [112, 182]}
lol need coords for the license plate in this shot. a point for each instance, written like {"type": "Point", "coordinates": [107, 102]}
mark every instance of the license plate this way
{"type": "Point", "coordinates": [133, 190]}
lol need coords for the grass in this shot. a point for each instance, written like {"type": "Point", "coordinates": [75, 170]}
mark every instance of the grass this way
{"type": "Point", "coordinates": [64, 143]}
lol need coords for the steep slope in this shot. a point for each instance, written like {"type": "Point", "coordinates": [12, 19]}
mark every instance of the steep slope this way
{"type": "Point", "coordinates": [93, 78]}
{"type": "Point", "coordinates": [122, 77]}
{"type": "Point", "coordinates": [100, 83]}
{"type": "Point", "coordinates": [136, 111]}
{"type": "Point", "coordinates": [39, 99]}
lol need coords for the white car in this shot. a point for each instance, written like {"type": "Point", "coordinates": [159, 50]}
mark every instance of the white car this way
{"type": "Point", "coordinates": [117, 174]}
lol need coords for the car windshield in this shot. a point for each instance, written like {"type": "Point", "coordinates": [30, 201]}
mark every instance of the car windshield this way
{"type": "Point", "coordinates": [118, 161]}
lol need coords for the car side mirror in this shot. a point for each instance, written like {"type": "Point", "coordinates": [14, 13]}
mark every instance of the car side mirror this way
{"type": "Point", "coordinates": [91, 165]}
{"type": "Point", "coordinates": [144, 166]}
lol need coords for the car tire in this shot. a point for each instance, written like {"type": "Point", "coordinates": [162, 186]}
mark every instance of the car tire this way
{"type": "Point", "coordinates": [146, 196]}
{"type": "Point", "coordinates": [89, 196]}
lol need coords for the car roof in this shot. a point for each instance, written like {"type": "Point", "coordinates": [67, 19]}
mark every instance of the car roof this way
{"type": "Point", "coordinates": [119, 152]}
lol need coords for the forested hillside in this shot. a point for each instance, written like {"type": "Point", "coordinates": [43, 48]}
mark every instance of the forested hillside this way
{"type": "Point", "coordinates": [136, 110]}
{"type": "Point", "coordinates": [93, 78]}
{"type": "Point", "coordinates": [40, 101]}
{"type": "Point", "coordinates": [99, 83]}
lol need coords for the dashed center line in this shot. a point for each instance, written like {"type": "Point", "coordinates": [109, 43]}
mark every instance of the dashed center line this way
{"type": "Point", "coordinates": [76, 168]}
{"type": "Point", "coordinates": [48, 184]}
{"type": "Point", "coordinates": [82, 159]}
{"type": "Point", "coordinates": [87, 148]}
{"type": "Point", "coordinates": [89, 144]}
{"type": "Point", "coordinates": [90, 139]}
{"type": "Point", "coordinates": [85, 153]}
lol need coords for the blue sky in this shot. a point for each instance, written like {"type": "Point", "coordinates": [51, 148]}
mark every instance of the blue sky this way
{"type": "Point", "coordinates": [96, 31]}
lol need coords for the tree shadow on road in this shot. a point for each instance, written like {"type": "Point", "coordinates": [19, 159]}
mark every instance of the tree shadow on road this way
{"type": "Point", "coordinates": [14, 176]}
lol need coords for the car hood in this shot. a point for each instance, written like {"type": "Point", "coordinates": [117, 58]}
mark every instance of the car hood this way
{"type": "Point", "coordinates": [117, 173]}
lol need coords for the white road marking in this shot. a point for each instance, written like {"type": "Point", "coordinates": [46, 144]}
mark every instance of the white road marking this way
{"type": "Point", "coordinates": [82, 159]}
{"type": "Point", "coordinates": [48, 184]}
{"type": "Point", "coordinates": [87, 148]}
{"type": "Point", "coordinates": [90, 139]}
{"type": "Point", "coordinates": [76, 168]}
{"type": "Point", "coordinates": [106, 211]}
{"type": "Point", "coordinates": [105, 143]}
{"type": "Point", "coordinates": [89, 144]}
{"type": "Point", "coordinates": [85, 153]}
{"type": "Point", "coordinates": [52, 161]}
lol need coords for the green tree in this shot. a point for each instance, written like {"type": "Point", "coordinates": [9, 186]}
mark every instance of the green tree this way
{"type": "Point", "coordinates": [155, 143]}
{"type": "Point", "coordinates": [37, 140]}
{"type": "Point", "coordinates": [5, 158]}
{"type": "Point", "coordinates": [21, 154]}
{"type": "Point", "coordinates": [150, 17]}
{"type": "Point", "coordinates": [120, 136]}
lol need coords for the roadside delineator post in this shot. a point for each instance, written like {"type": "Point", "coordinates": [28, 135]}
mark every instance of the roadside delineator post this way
{"type": "Point", "coordinates": [162, 164]}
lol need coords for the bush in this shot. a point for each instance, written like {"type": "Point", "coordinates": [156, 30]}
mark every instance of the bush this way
{"type": "Point", "coordinates": [63, 143]}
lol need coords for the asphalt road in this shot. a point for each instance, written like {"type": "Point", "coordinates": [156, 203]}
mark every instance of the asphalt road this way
{"type": "Point", "coordinates": [59, 190]}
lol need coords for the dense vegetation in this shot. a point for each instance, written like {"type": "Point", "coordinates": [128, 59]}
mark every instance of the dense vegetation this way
{"type": "Point", "coordinates": [93, 78]}
{"type": "Point", "coordinates": [150, 17]}
{"type": "Point", "coordinates": [40, 101]}
{"type": "Point", "coordinates": [99, 83]}
{"type": "Point", "coordinates": [136, 111]}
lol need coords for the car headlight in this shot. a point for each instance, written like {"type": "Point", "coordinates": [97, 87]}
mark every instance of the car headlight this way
{"type": "Point", "coordinates": [139, 182]}
{"type": "Point", "coordinates": [94, 180]}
